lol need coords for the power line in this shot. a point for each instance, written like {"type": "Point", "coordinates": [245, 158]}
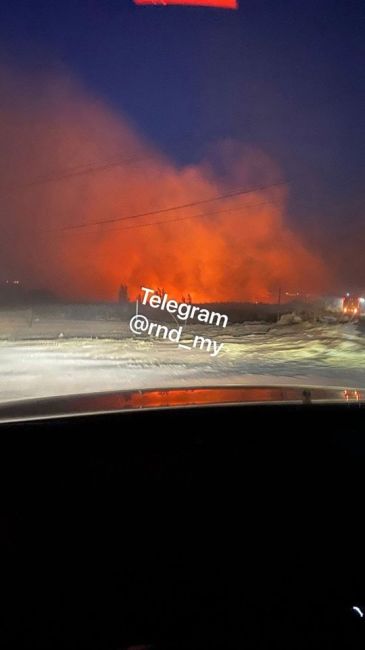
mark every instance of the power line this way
{"type": "Point", "coordinates": [192, 216]}
{"type": "Point", "coordinates": [151, 213]}
{"type": "Point", "coordinates": [71, 172]}
{"type": "Point", "coordinates": [89, 168]}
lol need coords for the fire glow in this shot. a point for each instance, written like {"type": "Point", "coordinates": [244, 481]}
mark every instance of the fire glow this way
{"type": "Point", "coordinates": [220, 4]}
{"type": "Point", "coordinates": [79, 163]}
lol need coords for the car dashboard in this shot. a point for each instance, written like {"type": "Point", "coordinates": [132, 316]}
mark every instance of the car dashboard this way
{"type": "Point", "coordinates": [205, 526]}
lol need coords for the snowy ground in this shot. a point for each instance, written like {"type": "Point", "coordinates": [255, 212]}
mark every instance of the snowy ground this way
{"type": "Point", "coordinates": [41, 365]}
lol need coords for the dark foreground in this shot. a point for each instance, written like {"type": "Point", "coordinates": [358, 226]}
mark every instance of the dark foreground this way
{"type": "Point", "coordinates": [219, 528]}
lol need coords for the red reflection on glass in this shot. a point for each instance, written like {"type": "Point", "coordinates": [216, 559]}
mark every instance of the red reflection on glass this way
{"type": "Point", "coordinates": [223, 4]}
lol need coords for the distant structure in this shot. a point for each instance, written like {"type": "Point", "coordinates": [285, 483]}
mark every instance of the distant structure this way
{"type": "Point", "coordinates": [123, 294]}
{"type": "Point", "coordinates": [12, 292]}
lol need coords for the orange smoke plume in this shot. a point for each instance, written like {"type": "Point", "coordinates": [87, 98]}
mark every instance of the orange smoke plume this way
{"type": "Point", "coordinates": [74, 178]}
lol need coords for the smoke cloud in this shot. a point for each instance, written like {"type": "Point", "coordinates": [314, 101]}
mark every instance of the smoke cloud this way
{"type": "Point", "coordinates": [66, 160]}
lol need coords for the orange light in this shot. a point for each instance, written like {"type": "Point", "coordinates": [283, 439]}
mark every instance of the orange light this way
{"type": "Point", "coordinates": [222, 4]}
{"type": "Point", "coordinates": [224, 251]}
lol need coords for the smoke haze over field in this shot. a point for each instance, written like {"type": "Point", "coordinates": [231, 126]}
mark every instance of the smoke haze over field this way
{"type": "Point", "coordinates": [68, 160]}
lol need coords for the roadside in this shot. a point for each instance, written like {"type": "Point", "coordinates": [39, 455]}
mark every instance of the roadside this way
{"type": "Point", "coordinates": [300, 354]}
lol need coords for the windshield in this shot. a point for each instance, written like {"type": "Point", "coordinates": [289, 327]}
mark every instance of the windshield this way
{"type": "Point", "coordinates": [181, 188]}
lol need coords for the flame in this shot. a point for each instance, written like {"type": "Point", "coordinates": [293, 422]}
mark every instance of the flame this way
{"type": "Point", "coordinates": [68, 160]}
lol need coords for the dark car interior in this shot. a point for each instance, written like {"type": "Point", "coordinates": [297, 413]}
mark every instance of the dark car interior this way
{"type": "Point", "coordinates": [211, 527]}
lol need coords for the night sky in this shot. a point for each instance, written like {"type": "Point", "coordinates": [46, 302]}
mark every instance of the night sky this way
{"type": "Point", "coordinates": [286, 77]}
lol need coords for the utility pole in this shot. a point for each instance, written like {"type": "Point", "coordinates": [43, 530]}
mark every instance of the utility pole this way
{"type": "Point", "coordinates": [279, 302]}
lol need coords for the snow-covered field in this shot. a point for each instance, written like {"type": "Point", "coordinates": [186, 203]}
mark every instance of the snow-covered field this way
{"type": "Point", "coordinates": [87, 357]}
